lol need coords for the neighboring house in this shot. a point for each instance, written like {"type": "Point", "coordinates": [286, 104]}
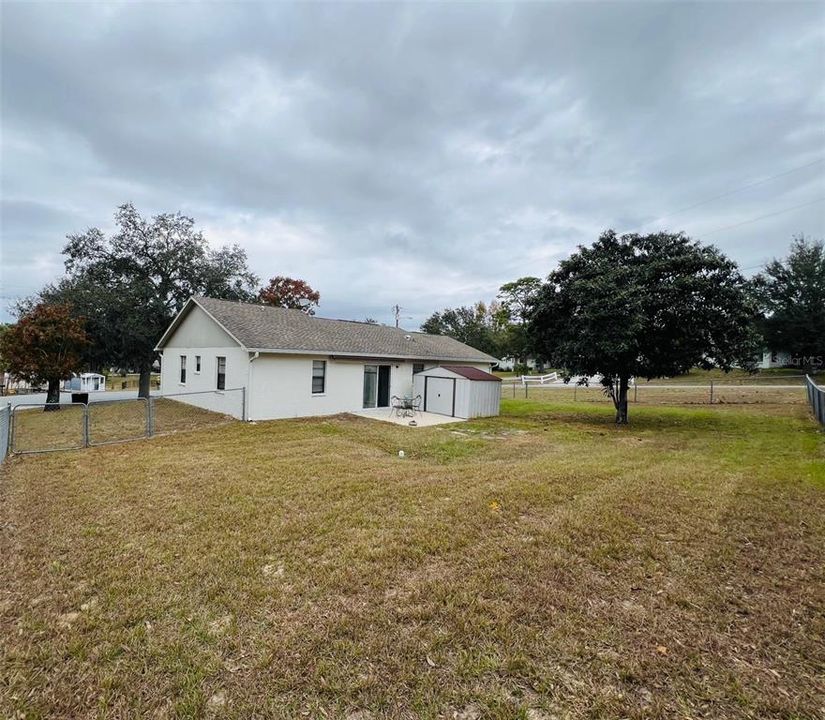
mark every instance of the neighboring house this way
{"type": "Point", "coordinates": [508, 364]}
{"type": "Point", "coordinates": [294, 365]}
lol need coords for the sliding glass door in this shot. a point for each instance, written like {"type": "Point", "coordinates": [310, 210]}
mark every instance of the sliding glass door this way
{"type": "Point", "coordinates": [376, 386]}
{"type": "Point", "coordinates": [370, 385]}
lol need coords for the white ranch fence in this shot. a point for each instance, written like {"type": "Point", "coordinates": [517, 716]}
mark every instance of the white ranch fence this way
{"type": "Point", "coordinates": [552, 377]}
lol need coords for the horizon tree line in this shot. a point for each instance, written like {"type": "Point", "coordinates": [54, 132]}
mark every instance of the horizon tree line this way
{"type": "Point", "coordinates": [628, 306]}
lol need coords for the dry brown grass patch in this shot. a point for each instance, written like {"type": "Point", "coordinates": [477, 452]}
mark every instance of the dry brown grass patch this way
{"type": "Point", "coordinates": [541, 564]}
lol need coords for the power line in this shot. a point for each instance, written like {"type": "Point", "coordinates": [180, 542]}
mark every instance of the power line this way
{"type": "Point", "coordinates": [761, 217]}
{"type": "Point", "coordinates": [730, 192]}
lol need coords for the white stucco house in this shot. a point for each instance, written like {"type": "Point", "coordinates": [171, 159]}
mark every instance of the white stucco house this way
{"type": "Point", "coordinates": [289, 364]}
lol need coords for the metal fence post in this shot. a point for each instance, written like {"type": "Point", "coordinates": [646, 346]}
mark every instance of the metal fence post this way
{"type": "Point", "coordinates": [243, 403]}
{"type": "Point", "coordinates": [635, 391]}
{"type": "Point", "coordinates": [150, 419]}
{"type": "Point", "coordinates": [711, 392]}
{"type": "Point", "coordinates": [86, 425]}
{"type": "Point", "coordinates": [7, 433]}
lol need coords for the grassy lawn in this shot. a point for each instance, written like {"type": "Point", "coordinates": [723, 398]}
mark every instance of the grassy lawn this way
{"type": "Point", "coordinates": [537, 565]}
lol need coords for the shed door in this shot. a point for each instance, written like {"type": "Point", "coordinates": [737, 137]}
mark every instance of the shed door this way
{"type": "Point", "coordinates": [439, 395]}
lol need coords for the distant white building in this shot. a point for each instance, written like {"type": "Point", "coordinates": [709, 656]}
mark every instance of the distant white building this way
{"type": "Point", "coordinates": [508, 364]}
{"type": "Point", "coordinates": [86, 382]}
{"type": "Point", "coordinates": [289, 364]}
{"type": "Point", "coordinates": [772, 359]}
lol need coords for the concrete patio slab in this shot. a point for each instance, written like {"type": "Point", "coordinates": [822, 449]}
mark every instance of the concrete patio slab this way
{"type": "Point", "coordinates": [422, 419]}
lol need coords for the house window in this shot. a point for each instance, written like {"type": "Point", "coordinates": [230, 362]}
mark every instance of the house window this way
{"type": "Point", "coordinates": [183, 369]}
{"type": "Point", "coordinates": [221, 385]}
{"type": "Point", "coordinates": [319, 376]}
{"type": "Point", "coordinates": [418, 367]}
{"type": "Point", "coordinates": [198, 364]}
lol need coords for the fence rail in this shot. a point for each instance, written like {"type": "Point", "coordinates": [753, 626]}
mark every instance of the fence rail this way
{"type": "Point", "coordinates": [816, 398]}
{"type": "Point", "coordinates": [540, 379]}
{"type": "Point", "coordinates": [39, 427]}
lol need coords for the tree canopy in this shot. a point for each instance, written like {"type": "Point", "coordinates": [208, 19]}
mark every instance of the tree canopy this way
{"type": "Point", "coordinates": [643, 306]}
{"type": "Point", "coordinates": [133, 283]}
{"type": "Point", "coordinates": [45, 345]}
{"type": "Point", "coordinates": [478, 326]}
{"type": "Point", "coordinates": [290, 293]}
{"type": "Point", "coordinates": [791, 296]}
{"type": "Point", "coordinates": [517, 299]}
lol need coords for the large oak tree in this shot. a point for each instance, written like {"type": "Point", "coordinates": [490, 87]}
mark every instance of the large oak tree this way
{"type": "Point", "coordinates": [643, 306]}
{"type": "Point", "coordinates": [133, 283]}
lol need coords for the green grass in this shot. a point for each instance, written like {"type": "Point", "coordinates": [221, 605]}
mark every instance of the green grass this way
{"type": "Point", "coordinates": [541, 564]}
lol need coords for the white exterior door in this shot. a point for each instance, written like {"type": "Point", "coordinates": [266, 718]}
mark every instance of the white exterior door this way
{"type": "Point", "coordinates": [439, 393]}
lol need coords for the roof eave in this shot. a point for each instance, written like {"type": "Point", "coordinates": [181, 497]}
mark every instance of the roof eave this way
{"type": "Point", "coordinates": [387, 356]}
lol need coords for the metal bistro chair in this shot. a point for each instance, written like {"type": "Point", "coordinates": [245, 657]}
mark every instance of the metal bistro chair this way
{"type": "Point", "coordinates": [416, 405]}
{"type": "Point", "coordinates": [396, 406]}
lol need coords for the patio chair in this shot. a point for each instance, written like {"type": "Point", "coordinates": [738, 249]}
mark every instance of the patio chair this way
{"type": "Point", "coordinates": [416, 404]}
{"type": "Point", "coordinates": [396, 405]}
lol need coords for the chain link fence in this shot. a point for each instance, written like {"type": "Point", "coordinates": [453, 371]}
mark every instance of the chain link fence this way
{"type": "Point", "coordinates": [816, 398]}
{"type": "Point", "coordinates": [38, 428]}
{"type": "Point", "coordinates": [661, 394]}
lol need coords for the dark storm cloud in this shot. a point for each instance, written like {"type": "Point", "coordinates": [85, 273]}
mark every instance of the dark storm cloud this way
{"type": "Point", "coordinates": [415, 154]}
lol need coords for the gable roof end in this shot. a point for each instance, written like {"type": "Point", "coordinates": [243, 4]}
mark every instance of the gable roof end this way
{"type": "Point", "coordinates": [179, 318]}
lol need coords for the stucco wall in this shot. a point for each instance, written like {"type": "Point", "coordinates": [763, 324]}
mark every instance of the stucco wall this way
{"type": "Point", "coordinates": [281, 386]}
{"type": "Point", "coordinates": [199, 335]}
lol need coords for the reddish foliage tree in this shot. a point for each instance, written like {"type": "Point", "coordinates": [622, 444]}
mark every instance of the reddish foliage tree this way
{"type": "Point", "coordinates": [290, 293]}
{"type": "Point", "coordinates": [45, 345]}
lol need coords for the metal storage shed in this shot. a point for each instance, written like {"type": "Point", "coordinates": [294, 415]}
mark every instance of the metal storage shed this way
{"type": "Point", "coordinates": [458, 391]}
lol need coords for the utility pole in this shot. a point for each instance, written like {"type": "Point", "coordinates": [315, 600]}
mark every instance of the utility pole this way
{"type": "Point", "coordinates": [396, 309]}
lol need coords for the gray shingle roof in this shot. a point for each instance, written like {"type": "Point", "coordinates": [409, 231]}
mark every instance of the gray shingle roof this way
{"type": "Point", "coordinates": [262, 327]}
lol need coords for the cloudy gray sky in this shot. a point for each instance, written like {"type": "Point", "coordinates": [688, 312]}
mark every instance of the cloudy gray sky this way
{"type": "Point", "coordinates": [418, 154]}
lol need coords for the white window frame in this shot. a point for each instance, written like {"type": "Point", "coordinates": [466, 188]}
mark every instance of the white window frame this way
{"type": "Point", "coordinates": [218, 373]}
{"type": "Point", "coordinates": [197, 364]}
{"type": "Point", "coordinates": [182, 371]}
{"type": "Point", "coordinates": [323, 376]}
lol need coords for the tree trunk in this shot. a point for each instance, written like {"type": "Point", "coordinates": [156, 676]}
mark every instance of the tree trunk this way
{"type": "Point", "coordinates": [53, 396]}
{"type": "Point", "coordinates": [145, 381]}
{"type": "Point", "coordinates": [620, 401]}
